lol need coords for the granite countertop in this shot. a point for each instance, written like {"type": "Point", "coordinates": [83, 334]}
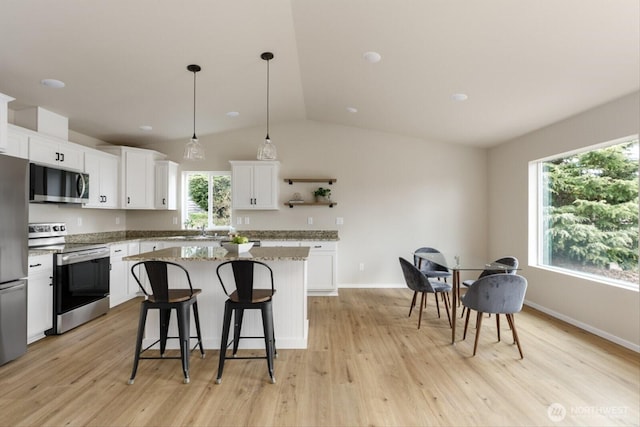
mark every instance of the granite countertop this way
{"type": "Point", "coordinates": [160, 235]}
{"type": "Point", "coordinates": [203, 253]}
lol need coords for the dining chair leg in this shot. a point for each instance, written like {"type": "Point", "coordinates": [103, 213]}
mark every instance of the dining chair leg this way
{"type": "Point", "coordinates": [511, 321]}
{"type": "Point", "coordinates": [498, 325]}
{"type": "Point", "coordinates": [478, 325]}
{"type": "Point", "coordinates": [435, 295]}
{"type": "Point", "coordinates": [423, 299]}
{"type": "Point", "coordinates": [413, 302]}
{"type": "Point", "coordinates": [466, 324]}
{"type": "Point", "coordinates": [446, 307]}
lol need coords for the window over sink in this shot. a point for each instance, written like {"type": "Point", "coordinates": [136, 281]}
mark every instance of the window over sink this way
{"type": "Point", "coordinates": [206, 199]}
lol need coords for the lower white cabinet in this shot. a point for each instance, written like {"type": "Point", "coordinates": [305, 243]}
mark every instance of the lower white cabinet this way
{"type": "Point", "coordinates": [321, 265]}
{"type": "Point", "coordinates": [118, 279]}
{"type": "Point", "coordinates": [39, 296]}
{"type": "Point", "coordinates": [132, 285]}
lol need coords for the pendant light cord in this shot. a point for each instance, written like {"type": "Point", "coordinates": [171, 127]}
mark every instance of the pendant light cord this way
{"type": "Point", "coordinates": [267, 99]}
{"type": "Point", "coordinates": [194, 106]}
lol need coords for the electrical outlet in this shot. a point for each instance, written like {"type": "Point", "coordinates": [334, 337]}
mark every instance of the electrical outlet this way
{"type": "Point", "coordinates": [239, 220]}
{"type": "Point", "coordinates": [175, 220]}
{"type": "Point", "coordinates": [361, 267]}
{"type": "Point", "coordinates": [117, 220]}
{"type": "Point", "coordinates": [79, 221]}
{"type": "Point", "coordinates": [310, 220]}
{"type": "Point", "coordinates": [339, 220]}
{"type": "Point", "coordinates": [246, 220]}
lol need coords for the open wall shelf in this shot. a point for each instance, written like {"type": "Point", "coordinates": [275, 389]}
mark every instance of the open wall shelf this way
{"type": "Point", "coordinates": [329, 181]}
{"type": "Point", "coordinates": [292, 203]}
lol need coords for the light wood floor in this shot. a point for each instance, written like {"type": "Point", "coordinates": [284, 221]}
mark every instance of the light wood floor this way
{"type": "Point", "coordinates": [367, 364]}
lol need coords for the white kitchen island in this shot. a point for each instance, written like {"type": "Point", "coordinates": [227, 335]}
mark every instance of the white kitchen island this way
{"type": "Point", "coordinates": [289, 265]}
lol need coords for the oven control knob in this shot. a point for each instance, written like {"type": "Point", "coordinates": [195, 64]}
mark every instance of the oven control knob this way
{"type": "Point", "coordinates": [62, 228]}
{"type": "Point", "coordinates": [56, 228]}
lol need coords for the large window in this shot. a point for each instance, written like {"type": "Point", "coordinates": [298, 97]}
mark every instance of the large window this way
{"type": "Point", "coordinates": [206, 199]}
{"type": "Point", "coordinates": [588, 212]}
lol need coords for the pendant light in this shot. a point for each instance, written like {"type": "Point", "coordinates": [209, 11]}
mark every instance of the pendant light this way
{"type": "Point", "coordinates": [267, 150]}
{"type": "Point", "coordinates": [193, 150]}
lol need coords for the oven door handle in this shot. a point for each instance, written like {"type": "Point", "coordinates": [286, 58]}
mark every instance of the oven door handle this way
{"type": "Point", "coordinates": [81, 256]}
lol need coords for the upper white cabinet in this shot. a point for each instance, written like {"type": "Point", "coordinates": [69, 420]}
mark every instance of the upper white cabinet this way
{"type": "Point", "coordinates": [17, 142]}
{"type": "Point", "coordinates": [254, 185]}
{"type": "Point", "coordinates": [166, 185]}
{"type": "Point", "coordinates": [4, 110]}
{"type": "Point", "coordinates": [51, 151]}
{"type": "Point", "coordinates": [137, 176]}
{"type": "Point", "coordinates": [103, 179]}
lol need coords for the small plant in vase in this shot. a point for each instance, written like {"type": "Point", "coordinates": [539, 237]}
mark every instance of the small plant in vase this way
{"type": "Point", "coordinates": [322, 195]}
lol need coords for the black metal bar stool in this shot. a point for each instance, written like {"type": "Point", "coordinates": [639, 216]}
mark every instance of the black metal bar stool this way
{"type": "Point", "coordinates": [246, 297]}
{"type": "Point", "coordinates": [165, 300]}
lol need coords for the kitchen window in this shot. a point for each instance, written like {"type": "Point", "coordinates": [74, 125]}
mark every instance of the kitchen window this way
{"type": "Point", "coordinates": [206, 200]}
{"type": "Point", "coordinates": [587, 212]}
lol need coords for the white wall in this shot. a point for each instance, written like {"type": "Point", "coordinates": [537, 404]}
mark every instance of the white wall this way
{"type": "Point", "coordinates": [395, 193]}
{"type": "Point", "coordinates": [609, 311]}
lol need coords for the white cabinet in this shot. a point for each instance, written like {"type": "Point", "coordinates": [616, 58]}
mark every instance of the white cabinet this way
{"type": "Point", "coordinates": [39, 296]}
{"type": "Point", "coordinates": [321, 264]}
{"type": "Point", "coordinates": [322, 267]}
{"type": "Point", "coordinates": [4, 111]}
{"type": "Point", "coordinates": [103, 179]}
{"type": "Point", "coordinates": [254, 185]}
{"type": "Point", "coordinates": [133, 288]}
{"type": "Point", "coordinates": [137, 176]}
{"type": "Point", "coordinates": [17, 142]}
{"type": "Point", "coordinates": [51, 151]}
{"type": "Point", "coordinates": [118, 278]}
{"type": "Point", "coordinates": [166, 185]}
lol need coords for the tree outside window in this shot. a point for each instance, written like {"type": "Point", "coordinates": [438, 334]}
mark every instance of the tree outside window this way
{"type": "Point", "coordinates": [207, 200]}
{"type": "Point", "coordinates": [590, 212]}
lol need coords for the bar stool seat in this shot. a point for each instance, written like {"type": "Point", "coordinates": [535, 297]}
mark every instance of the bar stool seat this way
{"type": "Point", "coordinates": [165, 300]}
{"type": "Point", "coordinates": [246, 297]}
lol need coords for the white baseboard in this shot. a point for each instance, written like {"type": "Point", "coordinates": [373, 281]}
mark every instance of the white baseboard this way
{"type": "Point", "coordinates": [371, 285]}
{"type": "Point", "coordinates": [585, 326]}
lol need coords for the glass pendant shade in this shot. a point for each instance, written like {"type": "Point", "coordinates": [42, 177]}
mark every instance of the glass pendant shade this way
{"type": "Point", "coordinates": [267, 150]}
{"type": "Point", "coordinates": [193, 150]}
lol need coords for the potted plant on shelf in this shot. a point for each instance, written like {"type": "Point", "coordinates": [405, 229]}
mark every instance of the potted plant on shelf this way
{"type": "Point", "coordinates": [323, 195]}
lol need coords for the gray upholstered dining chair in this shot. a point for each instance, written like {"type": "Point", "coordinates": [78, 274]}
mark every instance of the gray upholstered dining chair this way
{"type": "Point", "coordinates": [419, 283]}
{"type": "Point", "coordinates": [430, 270]}
{"type": "Point", "coordinates": [509, 260]}
{"type": "Point", "coordinates": [496, 293]}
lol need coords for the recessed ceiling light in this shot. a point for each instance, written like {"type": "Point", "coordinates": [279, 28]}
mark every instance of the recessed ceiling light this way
{"type": "Point", "coordinates": [146, 128]}
{"type": "Point", "coordinates": [459, 96]}
{"type": "Point", "coordinates": [56, 84]}
{"type": "Point", "coordinates": [233, 114]}
{"type": "Point", "coordinates": [352, 109]}
{"type": "Point", "coordinates": [372, 57]}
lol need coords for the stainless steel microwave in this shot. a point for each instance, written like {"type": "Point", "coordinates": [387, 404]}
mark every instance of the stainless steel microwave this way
{"type": "Point", "coordinates": [52, 185]}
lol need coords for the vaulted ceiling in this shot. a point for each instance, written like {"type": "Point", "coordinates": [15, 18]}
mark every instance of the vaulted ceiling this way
{"type": "Point", "coordinates": [522, 64]}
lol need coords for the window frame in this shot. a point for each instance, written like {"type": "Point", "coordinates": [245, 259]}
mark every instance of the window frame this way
{"type": "Point", "coordinates": [536, 226]}
{"type": "Point", "coordinates": [184, 199]}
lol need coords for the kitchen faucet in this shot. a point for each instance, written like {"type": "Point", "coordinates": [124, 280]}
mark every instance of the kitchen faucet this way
{"type": "Point", "coordinates": [202, 230]}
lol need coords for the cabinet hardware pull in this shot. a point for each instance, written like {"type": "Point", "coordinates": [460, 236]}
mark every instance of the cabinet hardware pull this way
{"type": "Point", "coordinates": [57, 156]}
{"type": "Point", "coordinates": [164, 201]}
{"type": "Point", "coordinates": [128, 200]}
{"type": "Point", "coordinates": [35, 265]}
{"type": "Point", "coordinates": [62, 157]}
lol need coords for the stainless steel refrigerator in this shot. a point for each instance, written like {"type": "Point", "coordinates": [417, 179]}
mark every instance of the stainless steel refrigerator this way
{"type": "Point", "coordinates": [13, 257]}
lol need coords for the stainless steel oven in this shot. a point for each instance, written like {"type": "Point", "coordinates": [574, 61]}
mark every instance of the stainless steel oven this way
{"type": "Point", "coordinates": [80, 277]}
